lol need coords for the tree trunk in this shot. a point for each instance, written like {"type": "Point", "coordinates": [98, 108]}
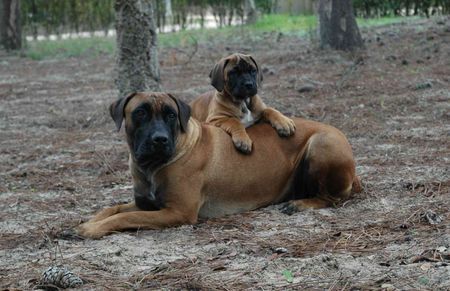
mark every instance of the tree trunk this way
{"type": "Point", "coordinates": [137, 65]}
{"type": "Point", "coordinates": [10, 27]}
{"type": "Point", "coordinates": [34, 25]}
{"type": "Point", "coordinates": [250, 11]}
{"type": "Point", "coordinates": [338, 28]}
{"type": "Point", "coordinates": [168, 15]}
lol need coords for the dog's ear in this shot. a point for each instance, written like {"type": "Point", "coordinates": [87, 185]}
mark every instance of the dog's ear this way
{"type": "Point", "coordinates": [217, 75]}
{"type": "Point", "coordinates": [184, 112]}
{"type": "Point", "coordinates": [259, 78]}
{"type": "Point", "coordinates": [117, 109]}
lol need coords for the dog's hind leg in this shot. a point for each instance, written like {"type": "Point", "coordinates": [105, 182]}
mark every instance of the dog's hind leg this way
{"type": "Point", "coordinates": [325, 176]}
{"type": "Point", "coordinates": [357, 185]}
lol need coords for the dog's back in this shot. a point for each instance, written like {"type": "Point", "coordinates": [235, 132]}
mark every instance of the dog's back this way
{"type": "Point", "coordinates": [200, 106]}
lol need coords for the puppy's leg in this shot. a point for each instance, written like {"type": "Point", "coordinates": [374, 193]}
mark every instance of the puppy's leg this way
{"type": "Point", "coordinates": [283, 125]}
{"type": "Point", "coordinates": [237, 131]}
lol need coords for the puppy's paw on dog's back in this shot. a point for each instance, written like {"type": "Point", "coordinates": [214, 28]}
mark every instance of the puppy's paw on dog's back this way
{"type": "Point", "coordinates": [243, 143]}
{"type": "Point", "coordinates": [284, 126]}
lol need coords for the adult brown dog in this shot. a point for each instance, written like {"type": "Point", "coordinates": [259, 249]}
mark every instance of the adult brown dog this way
{"type": "Point", "coordinates": [183, 169]}
{"type": "Point", "coordinates": [236, 105]}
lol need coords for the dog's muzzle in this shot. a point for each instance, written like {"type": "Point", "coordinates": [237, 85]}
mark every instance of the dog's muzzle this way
{"type": "Point", "coordinates": [154, 151]}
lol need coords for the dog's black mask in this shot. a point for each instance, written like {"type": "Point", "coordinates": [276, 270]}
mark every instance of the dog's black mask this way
{"type": "Point", "coordinates": [154, 126]}
{"type": "Point", "coordinates": [242, 81]}
{"type": "Point", "coordinates": [154, 135]}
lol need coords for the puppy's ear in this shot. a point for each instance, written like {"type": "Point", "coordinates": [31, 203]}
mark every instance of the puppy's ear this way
{"type": "Point", "coordinates": [259, 78]}
{"type": "Point", "coordinates": [117, 109]}
{"type": "Point", "coordinates": [217, 75]}
{"type": "Point", "coordinates": [184, 112]}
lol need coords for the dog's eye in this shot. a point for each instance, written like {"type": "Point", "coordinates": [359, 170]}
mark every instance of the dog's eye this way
{"type": "Point", "coordinates": [140, 113]}
{"type": "Point", "coordinates": [253, 71]}
{"type": "Point", "coordinates": [171, 115]}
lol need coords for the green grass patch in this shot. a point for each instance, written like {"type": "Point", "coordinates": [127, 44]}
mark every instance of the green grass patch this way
{"type": "Point", "coordinates": [284, 23]}
{"type": "Point", "coordinates": [288, 24]}
{"type": "Point", "coordinates": [63, 48]}
{"type": "Point", "coordinates": [368, 22]}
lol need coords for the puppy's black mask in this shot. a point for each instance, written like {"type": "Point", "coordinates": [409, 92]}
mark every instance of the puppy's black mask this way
{"type": "Point", "coordinates": [242, 81]}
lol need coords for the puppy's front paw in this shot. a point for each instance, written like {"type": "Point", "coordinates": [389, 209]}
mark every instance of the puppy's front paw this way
{"type": "Point", "coordinates": [243, 143]}
{"type": "Point", "coordinates": [284, 126]}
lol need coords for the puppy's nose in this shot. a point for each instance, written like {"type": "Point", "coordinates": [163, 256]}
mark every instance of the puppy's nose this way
{"type": "Point", "coordinates": [160, 139]}
{"type": "Point", "coordinates": [249, 85]}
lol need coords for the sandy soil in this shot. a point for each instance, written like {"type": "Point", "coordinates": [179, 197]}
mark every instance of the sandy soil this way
{"type": "Point", "coordinates": [60, 161]}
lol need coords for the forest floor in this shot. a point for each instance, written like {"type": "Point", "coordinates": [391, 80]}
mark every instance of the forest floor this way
{"type": "Point", "coordinates": [61, 161]}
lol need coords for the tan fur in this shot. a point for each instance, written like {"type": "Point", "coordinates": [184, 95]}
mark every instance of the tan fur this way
{"type": "Point", "coordinates": [207, 177]}
{"type": "Point", "coordinates": [221, 109]}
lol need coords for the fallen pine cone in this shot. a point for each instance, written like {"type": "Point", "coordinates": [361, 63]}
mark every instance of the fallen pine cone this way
{"type": "Point", "coordinates": [60, 276]}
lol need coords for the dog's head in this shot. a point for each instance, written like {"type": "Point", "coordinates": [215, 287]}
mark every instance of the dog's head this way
{"type": "Point", "coordinates": [238, 75]}
{"type": "Point", "coordinates": [153, 122]}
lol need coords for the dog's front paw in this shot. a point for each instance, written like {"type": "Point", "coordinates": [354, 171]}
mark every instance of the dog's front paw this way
{"type": "Point", "coordinates": [243, 143]}
{"type": "Point", "coordinates": [91, 230]}
{"type": "Point", "coordinates": [284, 126]}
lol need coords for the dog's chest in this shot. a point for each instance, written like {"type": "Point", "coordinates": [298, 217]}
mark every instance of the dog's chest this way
{"type": "Point", "coordinates": [247, 118]}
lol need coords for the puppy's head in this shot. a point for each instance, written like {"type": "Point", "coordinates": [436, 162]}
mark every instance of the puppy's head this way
{"type": "Point", "coordinates": [153, 122]}
{"type": "Point", "coordinates": [238, 75]}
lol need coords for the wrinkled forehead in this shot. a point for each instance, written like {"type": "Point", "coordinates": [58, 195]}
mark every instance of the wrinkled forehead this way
{"type": "Point", "coordinates": [155, 101]}
{"type": "Point", "coordinates": [241, 62]}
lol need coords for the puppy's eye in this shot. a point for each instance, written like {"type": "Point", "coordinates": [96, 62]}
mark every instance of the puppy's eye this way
{"type": "Point", "coordinates": [171, 116]}
{"type": "Point", "coordinates": [253, 71]}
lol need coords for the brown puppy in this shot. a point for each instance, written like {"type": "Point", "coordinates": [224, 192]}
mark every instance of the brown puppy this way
{"type": "Point", "coordinates": [183, 169]}
{"type": "Point", "coordinates": [235, 105]}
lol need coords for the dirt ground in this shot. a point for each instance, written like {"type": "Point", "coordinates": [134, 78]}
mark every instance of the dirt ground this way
{"type": "Point", "coordinates": [61, 160]}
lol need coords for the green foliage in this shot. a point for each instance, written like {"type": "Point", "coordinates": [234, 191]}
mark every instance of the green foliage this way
{"type": "Point", "coordinates": [46, 17]}
{"type": "Point", "coordinates": [424, 281]}
{"type": "Point", "coordinates": [374, 8]}
{"type": "Point", "coordinates": [288, 276]}
{"type": "Point", "coordinates": [284, 23]}
{"type": "Point", "coordinates": [265, 6]}
{"type": "Point", "coordinates": [59, 16]}
{"type": "Point", "coordinates": [293, 25]}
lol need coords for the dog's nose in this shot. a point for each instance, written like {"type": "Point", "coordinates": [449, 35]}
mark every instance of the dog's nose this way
{"type": "Point", "coordinates": [249, 85]}
{"type": "Point", "coordinates": [160, 139]}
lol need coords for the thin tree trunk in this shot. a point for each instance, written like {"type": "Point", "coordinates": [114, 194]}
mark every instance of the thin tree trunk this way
{"type": "Point", "coordinates": [338, 28]}
{"type": "Point", "coordinates": [137, 65]}
{"type": "Point", "coordinates": [10, 26]}
{"type": "Point", "coordinates": [230, 16]}
{"type": "Point", "coordinates": [324, 10]}
{"type": "Point", "coordinates": [250, 11]}
{"type": "Point", "coordinates": [168, 15]}
{"type": "Point", "coordinates": [1, 23]}
{"type": "Point", "coordinates": [34, 25]}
